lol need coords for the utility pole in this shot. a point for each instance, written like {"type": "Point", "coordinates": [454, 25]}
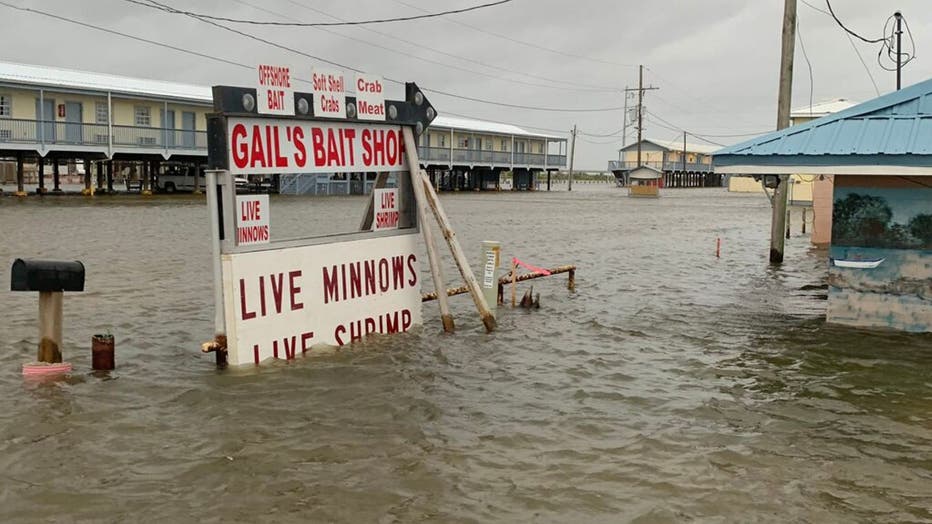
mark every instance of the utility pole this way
{"type": "Point", "coordinates": [640, 107]}
{"type": "Point", "coordinates": [624, 124]}
{"type": "Point", "coordinates": [778, 218]}
{"type": "Point", "coordinates": [899, 42]}
{"type": "Point", "coordinates": [572, 158]}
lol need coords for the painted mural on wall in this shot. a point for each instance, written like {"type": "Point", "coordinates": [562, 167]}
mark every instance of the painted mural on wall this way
{"type": "Point", "coordinates": [881, 256]}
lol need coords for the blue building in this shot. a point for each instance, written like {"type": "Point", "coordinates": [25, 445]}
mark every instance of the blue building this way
{"type": "Point", "coordinates": [880, 154]}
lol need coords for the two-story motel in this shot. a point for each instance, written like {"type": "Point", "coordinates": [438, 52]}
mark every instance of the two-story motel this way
{"type": "Point", "coordinates": [681, 165]}
{"type": "Point", "coordinates": [50, 115]}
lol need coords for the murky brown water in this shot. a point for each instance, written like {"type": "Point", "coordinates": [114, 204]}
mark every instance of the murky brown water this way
{"type": "Point", "coordinates": [671, 387]}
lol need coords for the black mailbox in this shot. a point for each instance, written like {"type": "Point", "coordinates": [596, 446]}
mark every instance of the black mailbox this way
{"type": "Point", "coordinates": [47, 275]}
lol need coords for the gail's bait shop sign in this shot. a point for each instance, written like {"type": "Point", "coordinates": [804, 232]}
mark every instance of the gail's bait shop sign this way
{"type": "Point", "coordinates": [280, 298]}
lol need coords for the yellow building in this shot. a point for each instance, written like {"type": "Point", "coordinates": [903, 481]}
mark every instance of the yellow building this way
{"type": "Point", "coordinates": [679, 164]}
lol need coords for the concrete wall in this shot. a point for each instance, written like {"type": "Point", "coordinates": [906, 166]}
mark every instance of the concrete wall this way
{"type": "Point", "coordinates": [887, 220]}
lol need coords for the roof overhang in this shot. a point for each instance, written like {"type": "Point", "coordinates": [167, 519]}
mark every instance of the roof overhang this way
{"type": "Point", "coordinates": [895, 165]}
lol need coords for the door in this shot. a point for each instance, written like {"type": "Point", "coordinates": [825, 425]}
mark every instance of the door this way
{"type": "Point", "coordinates": [45, 120]}
{"type": "Point", "coordinates": [168, 127]}
{"type": "Point", "coordinates": [187, 126]}
{"type": "Point", "coordinates": [74, 130]}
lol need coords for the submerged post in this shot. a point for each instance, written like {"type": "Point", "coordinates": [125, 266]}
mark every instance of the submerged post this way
{"type": "Point", "coordinates": [491, 256]}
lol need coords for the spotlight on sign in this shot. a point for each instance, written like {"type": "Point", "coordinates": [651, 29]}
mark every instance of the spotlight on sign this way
{"type": "Point", "coordinates": [350, 110]}
{"type": "Point", "coordinates": [418, 98]}
{"type": "Point", "coordinates": [249, 102]}
{"type": "Point", "coordinates": [303, 106]}
{"type": "Point", "coordinates": [392, 112]}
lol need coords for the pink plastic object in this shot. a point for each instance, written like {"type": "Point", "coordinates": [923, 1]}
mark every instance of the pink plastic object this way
{"type": "Point", "coordinates": [35, 369]}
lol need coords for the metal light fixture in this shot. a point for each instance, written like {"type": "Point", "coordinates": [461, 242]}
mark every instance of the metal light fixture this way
{"type": "Point", "coordinates": [249, 102]}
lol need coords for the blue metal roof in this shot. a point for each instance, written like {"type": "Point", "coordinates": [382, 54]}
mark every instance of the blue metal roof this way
{"type": "Point", "coordinates": [894, 129]}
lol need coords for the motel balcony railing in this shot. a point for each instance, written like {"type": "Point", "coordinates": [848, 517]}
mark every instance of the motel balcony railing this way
{"type": "Point", "coordinates": [668, 165]}
{"type": "Point", "coordinates": [482, 156]}
{"type": "Point", "coordinates": [51, 133]}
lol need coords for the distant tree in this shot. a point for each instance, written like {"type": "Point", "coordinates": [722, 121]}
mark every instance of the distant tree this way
{"type": "Point", "coordinates": [920, 226]}
{"type": "Point", "coordinates": [860, 219]}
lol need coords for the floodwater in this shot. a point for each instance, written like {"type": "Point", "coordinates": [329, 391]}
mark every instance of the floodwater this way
{"type": "Point", "coordinates": [670, 387]}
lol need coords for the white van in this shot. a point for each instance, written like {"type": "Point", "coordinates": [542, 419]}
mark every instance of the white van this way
{"type": "Point", "coordinates": [181, 178]}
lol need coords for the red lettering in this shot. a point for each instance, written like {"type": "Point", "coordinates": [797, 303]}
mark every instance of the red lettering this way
{"type": "Point", "coordinates": [340, 330]}
{"type": "Point", "coordinates": [246, 315]}
{"type": "Point", "coordinates": [333, 155]}
{"type": "Point", "coordinates": [412, 280]}
{"type": "Point", "coordinates": [292, 275]}
{"type": "Point", "coordinates": [277, 290]}
{"type": "Point", "coordinates": [240, 149]}
{"type": "Point", "coordinates": [367, 147]}
{"type": "Point", "coordinates": [280, 160]}
{"type": "Point", "coordinates": [304, 338]}
{"type": "Point", "coordinates": [300, 155]}
{"type": "Point", "coordinates": [258, 152]}
{"type": "Point", "coordinates": [262, 295]}
{"type": "Point", "coordinates": [331, 289]}
{"type": "Point", "coordinates": [317, 142]}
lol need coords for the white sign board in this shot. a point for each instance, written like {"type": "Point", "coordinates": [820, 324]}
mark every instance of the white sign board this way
{"type": "Point", "coordinates": [274, 93]}
{"type": "Point", "coordinates": [386, 209]}
{"type": "Point", "coordinates": [329, 88]}
{"type": "Point", "coordinates": [370, 97]}
{"type": "Point", "coordinates": [252, 219]}
{"type": "Point", "coordinates": [280, 303]}
{"type": "Point", "coordinates": [267, 146]}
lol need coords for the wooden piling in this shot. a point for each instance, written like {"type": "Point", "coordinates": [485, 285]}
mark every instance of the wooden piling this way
{"type": "Point", "coordinates": [804, 221]}
{"type": "Point", "coordinates": [20, 185]}
{"type": "Point", "coordinates": [110, 177]}
{"type": "Point", "coordinates": [50, 326]}
{"type": "Point", "coordinates": [420, 201]}
{"type": "Point", "coordinates": [56, 176]}
{"type": "Point", "coordinates": [514, 283]}
{"type": "Point", "coordinates": [41, 188]}
{"type": "Point", "coordinates": [474, 290]}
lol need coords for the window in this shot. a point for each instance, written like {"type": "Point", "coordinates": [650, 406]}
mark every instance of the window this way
{"type": "Point", "coordinates": [443, 140]}
{"type": "Point", "coordinates": [463, 142]}
{"type": "Point", "coordinates": [6, 106]}
{"type": "Point", "coordinates": [504, 145]}
{"type": "Point", "coordinates": [143, 116]}
{"type": "Point", "coordinates": [102, 112]}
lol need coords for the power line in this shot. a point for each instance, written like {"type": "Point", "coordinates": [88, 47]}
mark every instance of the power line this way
{"type": "Point", "coordinates": [575, 85]}
{"type": "Point", "coordinates": [799, 36]}
{"type": "Point", "coordinates": [126, 35]}
{"type": "Point", "coordinates": [400, 82]}
{"type": "Point", "coordinates": [852, 33]}
{"type": "Point", "coordinates": [522, 42]}
{"type": "Point", "coordinates": [416, 57]}
{"type": "Point", "coordinates": [169, 9]}
{"type": "Point", "coordinates": [853, 46]}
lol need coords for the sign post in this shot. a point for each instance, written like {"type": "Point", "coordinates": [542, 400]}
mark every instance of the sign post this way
{"type": "Point", "coordinates": [491, 257]}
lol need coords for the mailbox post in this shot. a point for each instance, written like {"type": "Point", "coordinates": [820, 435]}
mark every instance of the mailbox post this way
{"type": "Point", "coordinates": [51, 279]}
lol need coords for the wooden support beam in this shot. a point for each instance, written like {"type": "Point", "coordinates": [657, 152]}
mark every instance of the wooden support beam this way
{"type": "Point", "coordinates": [474, 290]}
{"type": "Point", "coordinates": [421, 203]}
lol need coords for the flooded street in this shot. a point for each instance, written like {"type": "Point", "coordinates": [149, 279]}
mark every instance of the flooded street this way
{"type": "Point", "coordinates": [670, 387]}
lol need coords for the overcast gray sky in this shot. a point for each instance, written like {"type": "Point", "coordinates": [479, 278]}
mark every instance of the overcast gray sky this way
{"type": "Point", "coordinates": [715, 61]}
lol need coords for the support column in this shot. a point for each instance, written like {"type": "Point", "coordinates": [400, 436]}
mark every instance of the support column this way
{"type": "Point", "coordinates": [110, 177]}
{"type": "Point", "coordinates": [100, 175]}
{"type": "Point", "coordinates": [56, 176]}
{"type": "Point", "coordinates": [20, 185]}
{"type": "Point", "coordinates": [548, 180]}
{"type": "Point", "coordinates": [41, 188]}
{"type": "Point", "coordinates": [88, 188]}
